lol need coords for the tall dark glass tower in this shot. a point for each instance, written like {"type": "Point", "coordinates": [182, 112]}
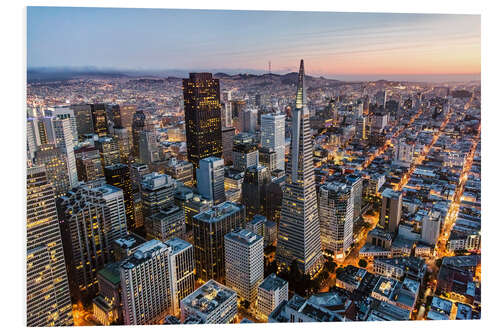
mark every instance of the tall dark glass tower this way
{"type": "Point", "coordinates": [203, 117]}
{"type": "Point", "coordinates": [138, 123]}
{"type": "Point", "coordinates": [99, 119]}
{"type": "Point", "coordinates": [299, 232]}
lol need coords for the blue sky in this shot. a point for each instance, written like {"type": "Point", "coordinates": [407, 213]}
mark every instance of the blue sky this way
{"type": "Point", "coordinates": [352, 44]}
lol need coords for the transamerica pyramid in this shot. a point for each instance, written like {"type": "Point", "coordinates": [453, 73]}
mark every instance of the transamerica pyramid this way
{"type": "Point", "coordinates": [299, 232]}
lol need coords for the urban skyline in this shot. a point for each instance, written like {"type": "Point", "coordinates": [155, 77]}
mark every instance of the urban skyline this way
{"type": "Point", "coordinates": [218, 199]}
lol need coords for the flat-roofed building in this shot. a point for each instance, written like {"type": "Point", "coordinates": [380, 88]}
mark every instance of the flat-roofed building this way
{"type": "Point", "coordinates": [244, 261]}
{"type": "Point", "coordinates": [271, 292]}
{"type": "Point", "coordinates": [212, 303]}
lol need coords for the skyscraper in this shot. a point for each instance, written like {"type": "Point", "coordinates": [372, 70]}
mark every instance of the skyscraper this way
{"type": "Point", "coordinates": [99, 119]}
{"type": "Point", "coordinates": [244, 260]}
{"type": "Point", "coordinates": [336, 205]}
{"type": "Point", "coordinates": [48, 299]}
{"type": "Point", "coordinates": [119, 175]}
{"type": "Point", "coordinates": [227, 144]}
{"type": "Point", "coordinates": [202, 116]}
{"type": "Point", "coordinates": [209, 229]}
{"type": "Point", "coordinates": [92, 217]}
{"type": "Point", "coordinates": [138, 124]}
{"type": "Point", "coordinates": [390, 211]}
{"type": "Point", "coordinates": [248, 120]}
{"type": "Point", "coordinates": [254, 190]}
{"type": "Point", "coordinates": [55, 165]}
{"type": "Point", "coordinates": [245, 156]}
{"type": "Point", "coordinates": [88, 164]}
{"type": "Point", "coordinates": [299, 232]}
{"type": "Point", "coordinates": [210, 179]}
{"type": "Point", "coordinates": [157, 192]}
{"type": "Point", "coordinates": [108, 151]}
{"type": "Point", "coordinates": [272, 126]}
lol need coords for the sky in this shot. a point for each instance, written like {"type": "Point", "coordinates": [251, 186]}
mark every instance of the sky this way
{"type": "Point", "coordinates": [335, 45]}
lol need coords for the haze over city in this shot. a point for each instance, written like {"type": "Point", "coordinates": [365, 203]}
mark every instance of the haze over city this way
{"type": "Point", "coordinates": [344, 46]}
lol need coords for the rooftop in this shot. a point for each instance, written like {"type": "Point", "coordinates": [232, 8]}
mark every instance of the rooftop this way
{"type": "Point", "coordinates": [243, 236]}
{"type": "Point", "coordinates": [273, 282]}
{"type": "Point", "coordinates": [143, 253]}
{"type": "Point", "coordinates": [208, 297]}
{"type": "Point", "coordinates": [177, 244]}
{"type": "Point", "coordinates": [219, 212]}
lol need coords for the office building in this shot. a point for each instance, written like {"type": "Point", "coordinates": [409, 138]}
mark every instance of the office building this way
{"type": "Point", "coordinates": [227, 144]}
{"type": "Point", "coordinates": [431, 227]}
{"type": "Point", "coordinates": [83, 117]}
{"type": "Point", "coordinates": [272, 127]}
{"type": "Point", "coordinates": [48, 300]}
{"type": "Point", "coordinates": [403, 152]}
{"type": "Point", "coordinates": [298, 232]}
{"type": "Point", "coordinates": [108, 151]}
{"type": "Point", "coordinates": [181, 271]}
{"type": "Point", "coordinates": [63, 112]}
{"type": "Point", "coordinates": [248, 120]}
{"type": "Point", "coordinates": [390, 211]}
{"type": "Point", "coordinates": [202, 116]}
{"type": "Point", "coordinates": [55, 162]}
{"type": "Point", "coordinates": [88, 164]}
{"type": "Point", "coordinates": [122, 136]}
{"type": "Point", "coordinates": [166, 224]}
{"type": "Point", "coordinates": [192, 204]}
{"type": "Point", "coordinates": [180, 170]}
{"type": "Point", "coordinates": [137, 171]}
{"type": "Point", "coordinates": [146, 284]}
{"type": "Point", "coordinates": [245, 156]}
{"type": "Point", "coordinates": [336, 207]}
{"type": "Point", "coordinates": [209, 229]}
{"type": "Point", "coordinates": [107, 306]}
{"type": "Point", "coordinates": [148, 147]}
{"type": "Point", "coordinates": [268, 158]}
{"type": "Point", "coordinates": [271, 293]}
{"type": "Point", "coordinates": [138, 125]}
{"type": "Point", "coordinates": [99, 119]}
{"type": "Point", "coordinates": [157, 192]}
{"type": "Point", "coordinates": [212, 303]}
{"type": "Point", "coordinates": [254, 187]}
{"type": "Point", "coordinates": [127, 112]}
{"type": "Point", "coordinates": [210, 179]}
{"type": "Point", "coordinates": [244, 260]}
{"type": "Point", "coordinates": [118, 175]}
{"type": "Point", "coordinates": [92, 216]}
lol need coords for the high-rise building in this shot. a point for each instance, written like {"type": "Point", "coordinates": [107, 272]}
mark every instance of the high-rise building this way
{"type": "Point", "coordinates": [272, 127]}
{"type": "Point", "coordinates": [248, 120]}
{"type": "Point", "coordinates": [92, 216]}
{"type": "Point", "coordinates": [200, 307]}
{"type": "Point", "coordinates": [108, 151]}
{"type": "Point", "coordinates": [210, 179]}
{"type": "Point", "coordinates": [209, 229]}
{"type": "Point", "coordinates": [48, 300]}
{"type": "Point", "coordinates": [431, 225]}
{"type": "Point", "coordinates": [148, 147]}
{"type": "Point", "coordinates": [88, 164]}
{"type": "Point", "coordinates": [192, 204]}
{"type": "Point", "coordinates": [64, 141]}
{"type": "Point", "coordinates": [181, 271]}
{"type": "Point", "coordinates": [84, 123]}
{"type": "Point", "coordinates": [107, 306]}
{"type": "Point", "coordinates": [227, 144]}
{"type": "Point", "coordinates": [245, 156]}
{"type": "Point", "coordinates": [127, 112]}
{"type": "Point", "coordinates": [55, 162]}
{"type": "Point", "coordinates": [137, 171]}
{"type": "Point", "coordinates": [254, 187]}
{"type": "Point", "coordinates": [118, 175]}
{"type": "Point", "coordinates": [166, 224]}
{"type": "Point", "coordinates": [244, 260]}
{"type": "Point", "coordinates": [267, 157]}
{"type": "Point", "coordinates": [63, 112]}
{"type": "Point", "coordinates": [122, 136]}
{"type": "Point", "coordinates": [271, 292]}
{"type": "Point", "coordinates": [146, 284]}
{"type": "Point", "coordinates": [390, 211]}
{"type": "Point", "coordinates": [403, 152]}
{"type": "Point", "coordinates": [181, 171]}
{"type": "Point", "coordinates": [202, 116]}
{"type": "Point", "coordinates": [99, 119]}
{"type": "Point", "coordinates": [298, 231]}
{"type": "Point", "coordinates": [154, 279]}
{"type": "Point", "coordinates": [355, 182]}
{"type": "Point", "coordinates": [336, 205]}
{"type": "Point", "coordinates": [138, 125]}
{"type": "Point", "coordinates": [157, 192]}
